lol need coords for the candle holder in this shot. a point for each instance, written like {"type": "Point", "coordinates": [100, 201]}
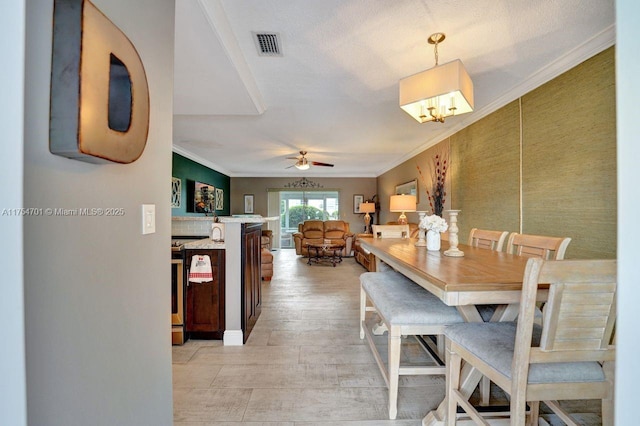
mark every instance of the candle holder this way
{"type": "Point", "coordinates": [453, 235]}
{"type": "Point", "coordinates": [422, 242]}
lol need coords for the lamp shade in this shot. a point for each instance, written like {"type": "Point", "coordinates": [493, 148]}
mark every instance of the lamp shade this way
{"type": "Point", "coordinates": [447, 89]}
{"type": "Point", "coordinates": [403, 203]}
{"type": "Point", "coordinates": [367, 207]}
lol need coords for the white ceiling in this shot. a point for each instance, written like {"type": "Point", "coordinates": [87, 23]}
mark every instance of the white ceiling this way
{"type": "Point", "coordinates": [334, 91]}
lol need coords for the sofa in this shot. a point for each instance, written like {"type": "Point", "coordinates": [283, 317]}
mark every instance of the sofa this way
{"type": "Point", "coordinates": [367, 259]}
{"type": "Point", "coordinates": [316, 231]}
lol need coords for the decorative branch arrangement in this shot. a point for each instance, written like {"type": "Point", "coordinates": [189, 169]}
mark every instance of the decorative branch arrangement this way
{"type": "Point", "coordinates": [438, 175]}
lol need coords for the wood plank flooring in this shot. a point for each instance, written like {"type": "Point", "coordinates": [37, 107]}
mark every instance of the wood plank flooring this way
{"type": "Point", "coordinates": [304, 363]}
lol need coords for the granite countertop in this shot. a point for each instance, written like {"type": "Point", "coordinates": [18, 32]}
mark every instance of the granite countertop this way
{"type": "Point", "coordinates": [205, 244]}
{"type": "Point", "coordinates": [229, 219]}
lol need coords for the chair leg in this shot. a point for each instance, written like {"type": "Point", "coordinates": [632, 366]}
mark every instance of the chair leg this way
{"type": "Point", "coordinates": [363, 310]}
{"type": "Point", "coordinates": [485, 391]}
{"type": "Point", "coordinates": [518, 411]}
{"type": "Point", "coordinates": [534, 413]}
{"type": "Point", "coordinates": [607, 404]}
{"type": "Point", "coordinates": [454, 363]}
{"type": "Point", "coordinates": [394, 372]}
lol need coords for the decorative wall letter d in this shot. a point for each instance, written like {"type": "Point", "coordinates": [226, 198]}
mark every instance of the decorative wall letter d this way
{"type": "Point", "coordinates": [99, 91]}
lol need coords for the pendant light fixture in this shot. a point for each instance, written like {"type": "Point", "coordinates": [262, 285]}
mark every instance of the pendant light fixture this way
{"type": "Point", "coordinates": [439, 92]}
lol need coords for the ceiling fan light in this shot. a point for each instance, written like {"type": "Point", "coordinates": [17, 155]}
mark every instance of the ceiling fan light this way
{"type": "Point", "coordinates": [303, 164]}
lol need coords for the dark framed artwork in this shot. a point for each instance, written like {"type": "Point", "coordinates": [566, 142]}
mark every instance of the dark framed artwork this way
{"type": "Point", "coordinates": [201, 197]}
{"type": "Point", "coordinates": [357, 200]}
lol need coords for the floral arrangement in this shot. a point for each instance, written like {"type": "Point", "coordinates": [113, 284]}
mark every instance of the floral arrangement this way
{"type": "Point", "coordinates": [433, 223]}
{"type": "Point", "coordinates": [437, 194]}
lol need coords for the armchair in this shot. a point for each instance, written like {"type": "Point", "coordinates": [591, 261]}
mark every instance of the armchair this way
{"type": "Point", "coordinates": [266, 239]}
{"type": "Point", "coordinates": [316, 231]}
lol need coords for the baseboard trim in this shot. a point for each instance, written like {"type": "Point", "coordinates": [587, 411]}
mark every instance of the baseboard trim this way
{"type": "Point", "coordinates": [233, 338]}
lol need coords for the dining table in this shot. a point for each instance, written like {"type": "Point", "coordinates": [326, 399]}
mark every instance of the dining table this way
{"type": "Point", "coordinates": [480, 277]}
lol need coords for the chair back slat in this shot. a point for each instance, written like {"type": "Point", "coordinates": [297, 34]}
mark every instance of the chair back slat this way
{"type": "Point", "coordinates": [548, 248]}
{"type": "Point", "coordinates": [391, 231]}
{"type": "Point", "coordinates": [579, 315]}
{"type": "Point", "coordinates": [490, 240]}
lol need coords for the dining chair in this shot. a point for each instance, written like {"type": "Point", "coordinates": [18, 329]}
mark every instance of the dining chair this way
{"type": "Point", "coordinates": [569, 357]}
{"type": "Point", "coordinates": [405, 309]}
{"type": "Point", "coordinates": [548, 248]}
{"type": "Point", "coordinates": [491, 240]}
{"type": "Point", "coordinates": [541, 246]}
{"type": "Point", "coordinates": [390, 231]}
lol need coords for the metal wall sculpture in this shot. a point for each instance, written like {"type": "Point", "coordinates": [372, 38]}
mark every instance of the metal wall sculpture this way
{"type": "Point", "coordinates": [99, 90]}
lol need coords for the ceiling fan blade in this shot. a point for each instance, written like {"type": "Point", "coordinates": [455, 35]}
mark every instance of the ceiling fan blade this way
{"type": "Point", "coordinates": [315, 163]}
{"type": "Point", "coordinates": [292, 158]}
{"type": "Point", "coordinates": [290, 166]}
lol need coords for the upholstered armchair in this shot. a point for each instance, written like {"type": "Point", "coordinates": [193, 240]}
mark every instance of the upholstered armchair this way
{"type": "Point", "coordinates": [266, 240]}
{"type": "Point", "coordinates": [316, 231]}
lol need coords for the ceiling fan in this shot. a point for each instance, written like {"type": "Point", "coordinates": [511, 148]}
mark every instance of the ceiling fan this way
{"type": "Point", "coordinates": [303, 164]}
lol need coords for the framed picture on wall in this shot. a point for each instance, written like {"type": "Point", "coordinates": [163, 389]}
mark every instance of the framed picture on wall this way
{"type": "Point", "coordinates": [200, 197]}
{"type": "Point", "coordinates": [219, 199]}
{"type": "Point", "coordinates": [408, 188]}
{"type": "Point", "coordinates": [176, 192]}
{"type": "Point", "coordinates": [357, 200]}
{"type": "Point", "coordinates": [248, 203]}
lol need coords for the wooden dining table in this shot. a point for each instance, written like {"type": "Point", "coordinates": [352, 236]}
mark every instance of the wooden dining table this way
{"type": "Point", "coordinates": [481, 277]}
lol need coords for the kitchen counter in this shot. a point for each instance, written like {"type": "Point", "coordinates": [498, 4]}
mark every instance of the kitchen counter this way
{"type": "Point", "coordinates": [227, 219]}
{"type": "Point", "coordinates": [205, 244]}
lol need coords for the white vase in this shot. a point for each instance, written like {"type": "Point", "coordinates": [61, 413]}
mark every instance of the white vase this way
{"type": "Point", "coordinates": [433, 240]}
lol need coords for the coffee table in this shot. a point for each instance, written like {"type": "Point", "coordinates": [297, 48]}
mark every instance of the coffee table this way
{"type": "Point", "coordinates": [331, 252]}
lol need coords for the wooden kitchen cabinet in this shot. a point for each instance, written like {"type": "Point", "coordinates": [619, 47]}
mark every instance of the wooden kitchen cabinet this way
{"type": "Point", "coordinates": [251, 280]}
{"type": "Point", "coordinates": [205, 301]}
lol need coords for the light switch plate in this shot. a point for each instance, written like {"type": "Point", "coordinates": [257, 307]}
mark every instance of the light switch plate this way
{"type": "Point", "coordinates": [148, 219]}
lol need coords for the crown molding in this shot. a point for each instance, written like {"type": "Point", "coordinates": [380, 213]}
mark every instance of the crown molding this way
{"type": "Point", "coordinates": [200, 160]}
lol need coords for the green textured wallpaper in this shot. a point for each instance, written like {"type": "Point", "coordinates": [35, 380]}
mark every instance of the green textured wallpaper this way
{"type": "Point", "coordinates": [486, 173]}
{"type": "Point", "coordinates": [569, 158]}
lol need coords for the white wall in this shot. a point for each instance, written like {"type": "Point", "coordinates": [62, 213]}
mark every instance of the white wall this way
{"type": "Point", "coordinates": [12, 364]}
{"type": "Point", "coordinates": [97, 292]}
{"type": "Point", "coordinates": [628, 91]}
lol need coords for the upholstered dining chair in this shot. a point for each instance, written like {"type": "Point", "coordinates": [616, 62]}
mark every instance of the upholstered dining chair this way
{"type": "Point", "coordinates": [544, 247]}
{"type": "Point", "coordinates": [491, 240]}
{"type": "Point", "coordinates": [569, 357]}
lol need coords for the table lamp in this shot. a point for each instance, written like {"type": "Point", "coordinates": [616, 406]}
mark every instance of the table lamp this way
{"type": "Point", "coordinates": [367, 208]}
{"type": "Point", "coordinates": [403, 203]}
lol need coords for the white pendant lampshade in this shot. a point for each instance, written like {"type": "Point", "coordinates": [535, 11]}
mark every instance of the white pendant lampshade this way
{"type": "Point", "coordinates": [439, 92]}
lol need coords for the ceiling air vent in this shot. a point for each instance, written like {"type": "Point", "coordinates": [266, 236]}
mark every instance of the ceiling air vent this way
{"type": "Point", "coordinates": [268, 44]}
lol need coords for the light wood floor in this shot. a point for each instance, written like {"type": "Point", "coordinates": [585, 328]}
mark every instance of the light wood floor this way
{"type": "Point", "coordinates": [304, 363]}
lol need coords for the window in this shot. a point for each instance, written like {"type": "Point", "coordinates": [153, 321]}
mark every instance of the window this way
{"type": "Point", "coordinates": [298, 206]}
